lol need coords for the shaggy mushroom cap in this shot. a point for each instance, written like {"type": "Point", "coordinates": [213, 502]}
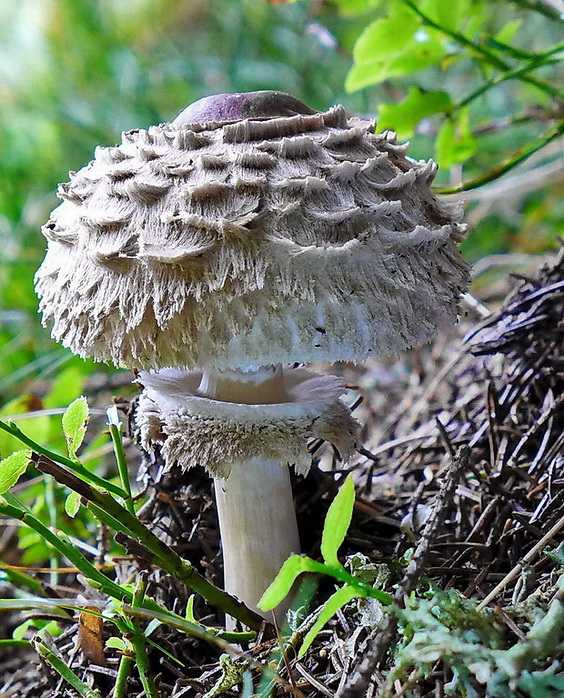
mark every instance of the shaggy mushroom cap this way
{"type": "Point", "coordinates": [250, 231]}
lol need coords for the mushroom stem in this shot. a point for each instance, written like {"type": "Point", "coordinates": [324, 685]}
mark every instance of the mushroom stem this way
{"type": "Point", "coordinates": [257, 519]}
{"type": "Point", "coordinates": [263, 386]}
{"type": "Point", "coordinates": [258, 528]}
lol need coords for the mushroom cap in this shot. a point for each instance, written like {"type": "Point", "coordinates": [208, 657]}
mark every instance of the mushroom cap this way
{"type": "Point", "coordinates": [241, 241]}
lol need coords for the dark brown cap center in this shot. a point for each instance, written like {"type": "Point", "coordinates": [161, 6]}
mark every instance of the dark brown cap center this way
{"type": "Point", "coordinates": [245, 105]}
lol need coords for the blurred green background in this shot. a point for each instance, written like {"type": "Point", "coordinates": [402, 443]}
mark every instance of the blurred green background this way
{"type": "Point", "coordinates": [75, 73]}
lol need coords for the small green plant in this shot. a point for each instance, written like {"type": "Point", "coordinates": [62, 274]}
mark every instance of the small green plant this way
{"type": "Point", "coordinates": [112, 504]}
{"type": "Point", "coordinates": [434, 626]}
{"type": "Point", "coordinates": [336, 525]}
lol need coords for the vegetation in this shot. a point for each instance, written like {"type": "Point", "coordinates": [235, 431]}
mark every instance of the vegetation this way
{"type": "Point", "coordinates": [472, 83]}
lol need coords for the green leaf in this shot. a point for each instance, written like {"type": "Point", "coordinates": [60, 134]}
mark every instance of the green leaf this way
{"type": "Point", "coordinates": [427, 48]}
{"type": "Point", "coordinates": [36, 427]}
{"type": "Point", "coordinates": [332, 605]}
{"type": "Point", "coordinates": [350, 8]}
{"type": "Point", "coordinates": [509, 30]}
{"type": "Point", "coordinates": [395, 56]}
{"type": "Point", "coordinates": [12, 468]}
{"type": "Point", "coordinates": [118, 643]}
{"type": "Point", "coordinates": [337, 523]}
{"type": "Point", "coordinates": [51, 626]}
{"type": "Point", "coordinates": [386, 37]}
{"type": "Point", "coordinates": [75, 420]}
{"type": "Point", "coordinates": [364, 74]}
{"type": "Point", "coordinates": [282, 584]}
{"type": "Point", "coordinates": [21, 580]}
{"type": "Point", "coordinates": [404, 117]}
{"type": "Point", "coordinates": [479, 14]}
{"type": "Point", "coordinates": [34, 547]}
{"type": "Point", "coordinates": [151, 628]}
{"type": "Point", "coordinates": [447, 14]}
{"type": "Point", "coordinates": [455, 142]}
{"type": "Point", "coordinates": [189, 615]}
{"type": "Point", "coordinates": [20, 631]}
{"type": "Point", "coordinates": [72, 504]}
{"type": "Point", "coordinates": [67, 386]}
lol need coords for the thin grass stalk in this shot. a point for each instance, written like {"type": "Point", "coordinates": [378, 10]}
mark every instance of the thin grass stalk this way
{"type": "Point", "coordinates": [75, 466]}
{"type": "Point", "coordinates": [103, 504]}
{"type": "Point", "coordinates": [63, 670]}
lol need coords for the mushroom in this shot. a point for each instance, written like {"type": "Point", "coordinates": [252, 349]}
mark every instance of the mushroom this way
{"type": "Point", "coordinates": [250, 233]}
{"type": "Point", "coordinates": [245, 430]}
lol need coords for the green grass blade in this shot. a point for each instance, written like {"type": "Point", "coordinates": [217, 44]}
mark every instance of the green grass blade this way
{"type": "Point", "coordinates": [337, 523]}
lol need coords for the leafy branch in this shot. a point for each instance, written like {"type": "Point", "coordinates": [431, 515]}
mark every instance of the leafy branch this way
{"type": "Point", "coordinates": [535, 63]}
{"type": "Point", "coordinates": [107, 510]}
{"type": "Point", "coordinates": [75, 465]}
{"type": "Point", "coordinates": [112, 513]}
{"type": "Point", "coordinates": [508, 164]}
{"type": "Point", "coordinates": [481, 50]}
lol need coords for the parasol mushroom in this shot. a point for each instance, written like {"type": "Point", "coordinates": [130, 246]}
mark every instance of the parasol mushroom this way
{"type": "Point", "coordinates": [249, 233]}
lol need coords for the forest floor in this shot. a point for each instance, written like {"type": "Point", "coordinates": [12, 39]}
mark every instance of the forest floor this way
{"type": "Point", "coordinates": [459, 515]}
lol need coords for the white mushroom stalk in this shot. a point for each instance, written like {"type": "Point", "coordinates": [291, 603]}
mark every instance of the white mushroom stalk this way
{"type": "Point", "coordinates": [255, 505]}
{"type": "Point", "coordinates": [258, 526]}
{"type": "Point", "coordinates": [246, 429]}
